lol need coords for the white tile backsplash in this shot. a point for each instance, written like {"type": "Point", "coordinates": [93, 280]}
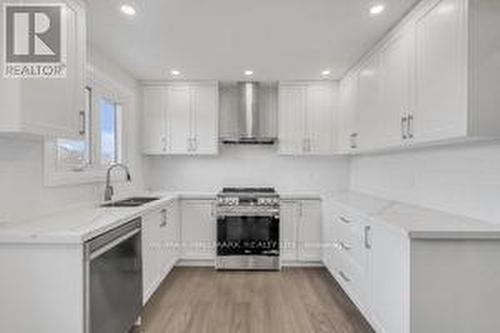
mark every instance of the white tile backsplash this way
{"type": "Point", "coordinates": [462, 179]}
{"type": "Point", "coordinates": [246, 166]}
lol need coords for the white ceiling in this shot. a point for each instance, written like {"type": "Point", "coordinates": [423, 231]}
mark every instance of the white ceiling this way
{"type": "Point", "coordinates": [219, 39]}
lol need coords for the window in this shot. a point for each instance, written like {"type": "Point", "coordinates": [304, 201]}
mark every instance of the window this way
{"type": "Point", "coordinates": [75, 154]}
{"type": "Point", "coordinates": [110, 135]}
{"type": "Point", "coordinates": [85, 160]}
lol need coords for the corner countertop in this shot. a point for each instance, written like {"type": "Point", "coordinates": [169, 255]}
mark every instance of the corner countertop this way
{"type": "Point", "coordinates": [76, 226]}
{"type": "Point", "coordinates": [413, 221]}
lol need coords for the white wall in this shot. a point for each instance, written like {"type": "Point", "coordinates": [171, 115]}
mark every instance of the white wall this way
{"type": "Point", "coordinates": [247, 165]}
{"type": "Point", "coordinates": [22, 191]}
{"type": "Point", "coordinates": [461, 179]}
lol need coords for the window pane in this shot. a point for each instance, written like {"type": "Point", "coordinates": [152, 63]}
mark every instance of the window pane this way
{"type": "Point", "coordinates": [108, 131]}
{"type": "Point", "coordinates": [71, 153]}
{"type": "Point", "coordinates": [76, 153]}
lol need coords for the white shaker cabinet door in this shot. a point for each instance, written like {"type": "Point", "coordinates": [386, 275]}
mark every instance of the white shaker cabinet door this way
{"type": "Point", "coordinates": [291, 119]}
{"type": "Point", "coordinates": [309, 231]}
{"type": "Point", "coordinates": [397, 82]}
{"type": "Point", "coordinates": [154, 139]}
{"type": "Point", "coordinates": [198, 229]}
{"type": "Point", "coordinates": [345, 118]}
{"type": "Point", "coordinates": [320, 115]}
{"type": "Point", "coordinates": [178, 116]}
{"type": "Point", "coordinates": [441, 72]}
{"type": "Point", "coordinates": [289, 219]}
{"type": "Point", "coordinates": [150, 254]}
{"type": "Point", "coordinates": [205, 119]}
{"type": "Point", "coordinates": [389, 279]}
{"type": "Point", "coordinates": [369, 102]}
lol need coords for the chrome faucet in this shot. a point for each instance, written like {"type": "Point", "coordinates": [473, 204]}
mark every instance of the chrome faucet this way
{"type": "Point", "coordinates": [109, 191]}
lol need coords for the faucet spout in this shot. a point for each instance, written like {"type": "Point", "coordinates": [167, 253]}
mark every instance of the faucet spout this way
{"type": "Point", "coordinates": [109, 191]}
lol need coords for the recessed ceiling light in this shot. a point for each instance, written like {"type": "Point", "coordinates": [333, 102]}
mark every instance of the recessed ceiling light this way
{"type": "Point", "coordinates": [326, 72]}
{"type": "Point", "coordinates": [248, 72]}
{"type": "Point", "coordinates": [377, 9]}
{"type": "Point", "coordinates": [128, 10]}
{"type": "Point", "coordinates": [175, 72]}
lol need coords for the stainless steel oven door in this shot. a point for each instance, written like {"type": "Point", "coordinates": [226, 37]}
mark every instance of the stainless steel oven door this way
{"type": "Point", "coordinates": [248, 235]}
{"type": "Point", "coordinates": [114, 280]}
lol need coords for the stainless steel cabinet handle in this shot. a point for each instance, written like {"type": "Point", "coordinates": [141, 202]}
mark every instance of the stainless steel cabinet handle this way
{"type": "Point", "coordinates": [410, 126]}
{"type": "Point", "coordinates": [404, 127]}
{"type": "Point", "coordinates": [344, 276]}
{"type": "Point", "coordinates": [344, 220]}
{"type": "Point", "coordinates": [368, 244]}
{"type": "Point", "coordinates": [195, 144]}
{"type": "Point", "coordinates": [83, 122]}
{"type": "Point", "coordinates": [353, 140]}
{"type": "Point", "coordinates": [345, 246]}
{"type": "Point", "coordinates": [163, 218]}
{"type": "Point", "coordinates": [190, 144]}
{"type": "Point", "coordinates": [163, 141]}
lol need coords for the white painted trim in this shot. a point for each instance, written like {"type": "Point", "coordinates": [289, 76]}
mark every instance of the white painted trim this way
{"type": "Point", "coordinates": [102, 85]}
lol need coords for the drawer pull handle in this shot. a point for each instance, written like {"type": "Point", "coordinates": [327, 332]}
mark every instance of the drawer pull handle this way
{"type": "Point", "coordinates": [344, 220]}
{"type": "Point", "coordinates": [368, 243]}
{"type": "Point", "coordinates": [344, 246]}
{"type": "Point", "coordinates": [344, 276]}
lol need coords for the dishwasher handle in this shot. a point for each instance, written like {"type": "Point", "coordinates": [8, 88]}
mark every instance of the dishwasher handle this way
{"type": "Point", "coordinates": [103, 243]}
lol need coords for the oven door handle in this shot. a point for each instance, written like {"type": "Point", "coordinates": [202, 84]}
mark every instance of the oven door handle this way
{"type": "Point", "coordinates": [257, 214]}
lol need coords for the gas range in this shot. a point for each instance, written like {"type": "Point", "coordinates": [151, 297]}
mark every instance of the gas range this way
{"type": "Point", "coordinates": [248, 229]}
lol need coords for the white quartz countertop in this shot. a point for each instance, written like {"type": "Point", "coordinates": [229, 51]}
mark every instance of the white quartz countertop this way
{"type": "Point", "coordinates": [414, 221]}
{"type": "Point", "coordinates": [76, 226]}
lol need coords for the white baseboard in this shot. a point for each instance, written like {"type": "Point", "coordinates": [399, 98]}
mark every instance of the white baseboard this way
{"type": "Point", "coordinates": [211, 263]}
{"type": "Point", "coordinates": [195, 263]}
{"type": "Point", "coordinates": [302, 264]}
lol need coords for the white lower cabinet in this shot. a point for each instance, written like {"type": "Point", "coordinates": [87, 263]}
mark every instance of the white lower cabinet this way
{"type": "Point", "coordinates": [300, 231]}
{"type": "Point", "coordinates": [160, 245]}
{"type": "Point", "coordinates": [389, 279]}
{"type": "Point", "coordinates": [412, 284]}
{"type": "Point", "coordinates": [198, 230]}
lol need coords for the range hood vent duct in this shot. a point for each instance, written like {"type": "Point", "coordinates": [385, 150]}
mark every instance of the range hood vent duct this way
{"type": "Point", "coordinates": [249, 117]}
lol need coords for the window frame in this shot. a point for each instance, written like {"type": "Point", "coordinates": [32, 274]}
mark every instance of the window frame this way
{"type": "Point", "coordinates": [101, 86]}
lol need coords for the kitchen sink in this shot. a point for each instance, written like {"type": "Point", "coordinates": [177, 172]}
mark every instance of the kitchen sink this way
{"type": "Point", "coordinates": [131, 202]}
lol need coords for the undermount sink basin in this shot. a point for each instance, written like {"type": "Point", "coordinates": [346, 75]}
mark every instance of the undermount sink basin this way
{"type": "Point", "coordinates": [131, 202]}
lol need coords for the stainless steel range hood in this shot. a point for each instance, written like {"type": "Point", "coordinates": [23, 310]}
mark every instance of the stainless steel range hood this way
{"type": "Point", "coordinates": [248, 116]}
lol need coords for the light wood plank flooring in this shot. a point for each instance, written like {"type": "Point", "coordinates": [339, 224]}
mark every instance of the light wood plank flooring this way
{"type": "Point", "coordinates": [202, 300]}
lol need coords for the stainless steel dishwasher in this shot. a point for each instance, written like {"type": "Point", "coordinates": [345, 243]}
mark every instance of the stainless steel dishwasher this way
{"type": "Point", "coordinates": [113, 279]}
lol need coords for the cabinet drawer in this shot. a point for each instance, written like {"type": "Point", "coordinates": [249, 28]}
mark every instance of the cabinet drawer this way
{"type": "Point", "coordinates": [351, 238]}
{"type": "Point", "coordinates": [353, 279]}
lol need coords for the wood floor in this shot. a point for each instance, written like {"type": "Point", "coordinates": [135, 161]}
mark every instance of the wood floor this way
{"type": "Point", "coordinates": [202, 300]}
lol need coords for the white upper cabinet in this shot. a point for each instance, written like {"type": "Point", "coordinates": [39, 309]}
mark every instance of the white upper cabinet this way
{"type": "Point", "coordinates": [368, 114]}
{"type": "Point", "coordinates": [431, 80]}
{"type": "Point", "coordinates": [181, 118]}
{"type": "Point", "coordinates": [49, 107]}
{"type": "Point", "coordinates": [348, 108]}
{"type": "Point", "coordinates": [306, 118]}
{"type": "Point", "coordinates": [291, 130]}
{"type": "Point", "coordinates": [205, 119]}
{"type": "Point", "coordinates": [441, 72]}
{"type": "Point", "coordinates": [154, 139]}
{"type": "Point", "coordinates": [178, 119]}
{"type": "Point", "coordinates": [396, 89]}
